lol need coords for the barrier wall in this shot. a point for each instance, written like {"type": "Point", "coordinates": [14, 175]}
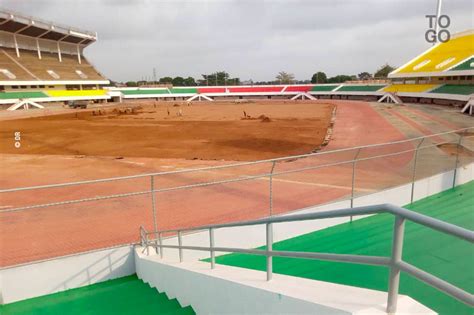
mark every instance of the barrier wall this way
{"type": "Point", "coordinates": [60, 274]}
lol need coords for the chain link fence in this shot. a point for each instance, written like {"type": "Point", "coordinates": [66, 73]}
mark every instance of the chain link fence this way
{"type": "Point", "coordinates": [54, 220]}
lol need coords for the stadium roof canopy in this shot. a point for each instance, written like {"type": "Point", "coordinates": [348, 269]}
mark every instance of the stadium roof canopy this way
{"type": "Point", "coordinates": [452, 58]}
{"type": "Point", "coordinates": [15, 23]}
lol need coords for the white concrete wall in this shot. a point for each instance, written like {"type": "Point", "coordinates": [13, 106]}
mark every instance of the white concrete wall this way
{"type": "Point", "coordinates": [63, 273]}
{"type": "Point", "coordinates": [232, 290]}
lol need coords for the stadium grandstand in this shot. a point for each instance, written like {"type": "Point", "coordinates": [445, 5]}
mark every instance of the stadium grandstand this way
{"type": "Point", "coordinates": [444, 74]}
{"type": "Point", "coordinates": [42, 61]}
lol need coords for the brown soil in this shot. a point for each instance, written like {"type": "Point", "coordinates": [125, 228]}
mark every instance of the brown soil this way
{"type": "Point", "coordinates": [452, 149]}
{"type": "Point", "coordinates": [206, 131]}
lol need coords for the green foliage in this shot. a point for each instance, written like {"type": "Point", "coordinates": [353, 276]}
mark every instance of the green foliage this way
{"type": "Point", "coordinates": [218, 78]}
{"type": "Point", "coordinates": [383, 71]}
{"type": "Point", "coordinates": [189, 81]}
{"type": "Point", "coordinates": [364, 76]}
{"type": "Point", "coordinates": [131, 84]}
{"type": "Point", "coordinates": [319, 77]}
{"type": "Point", "coordinates": [341, 78]}
{"type": "Point", "coordinates": [285, 77]}
{"type": "Point", "coordinates": [178, 81]}
{"type": "Point", "coordinates": [166, 80]}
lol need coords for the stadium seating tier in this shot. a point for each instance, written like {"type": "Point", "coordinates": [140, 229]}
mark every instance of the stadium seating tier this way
{"type": "Point", "coordinates": [21, 95]}
{"type": "Point", "coordinates": [360, 88]}
{"type": "Point", "coordinates": [323, 88]}
{"type": "Point", "coordinates": [409, 88]}
{"type": "Point", "coordinates": [72, 93]}
{"type": "Point", "coordinates": [28, 67]}
{"type": "Point", "coordinates": [442, 56]}
{"type": "Point", "coordinates": [145, 92]}
{"type": "Point", "coordinates": [455, 89]}
{"type": "Point", "coordinates": [465, 65]}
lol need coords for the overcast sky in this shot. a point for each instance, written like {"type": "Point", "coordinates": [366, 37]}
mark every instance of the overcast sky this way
{"type": "Point", "coordinates": [251, 39]}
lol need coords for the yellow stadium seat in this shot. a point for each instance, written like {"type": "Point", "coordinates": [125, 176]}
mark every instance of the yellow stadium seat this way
{"type": "Point", "coordinates": [408, 88]}
{"type": "Point", "coordinates": [71, 93]}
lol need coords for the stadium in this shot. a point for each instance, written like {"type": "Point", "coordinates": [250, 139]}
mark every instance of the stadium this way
{"type": "Point", "coordinates": [335, 198]}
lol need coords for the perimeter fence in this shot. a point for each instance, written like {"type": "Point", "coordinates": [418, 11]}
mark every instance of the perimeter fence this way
{"type": "Point", "coordinates": [41, 222]}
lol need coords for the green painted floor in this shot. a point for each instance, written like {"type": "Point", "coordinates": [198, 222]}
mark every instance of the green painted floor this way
{"type": "Point", "coordinates": [127, 295]}
{"type": "Point", "coordinates": [449, 258]}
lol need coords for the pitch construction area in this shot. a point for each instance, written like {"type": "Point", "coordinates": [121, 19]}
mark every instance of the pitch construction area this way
{"type": "Point", "coordinates": [253, 130]}
{"type": "Point", "coordinates": [142, 138]}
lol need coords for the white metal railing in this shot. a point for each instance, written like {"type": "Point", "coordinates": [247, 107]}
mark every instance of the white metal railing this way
{"type": "Point", "coordinates": [394, 262]}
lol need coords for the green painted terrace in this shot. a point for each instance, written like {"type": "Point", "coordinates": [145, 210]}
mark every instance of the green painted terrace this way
{"type": "Point", "coordinates": [455, 89]}
{"type": "Point", "coordinates": [360, 88]}
{"type": "Point", "coordinates": [127, 295]}
{"type": "Point", "coordinates": [449, 258]}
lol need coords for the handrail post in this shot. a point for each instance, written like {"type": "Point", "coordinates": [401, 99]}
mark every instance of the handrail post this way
{"type": "Point", "coordinates": [156, 246]}
{"type": "Point", "coordinates": [160, 241]}
{"type": "Point", "coordinates": [414, 171]}
{"type": "Point", "coordinates": [353, 178]}
{"type": "Point", "coordinates": [269, 230]}
{"type": "Point", "coordinates": [457, 160]}
{"type": "Point", "coordinates": [211, 245]}
{"type": "Point", "coordinates": [180, 244]}
{"type": "Point", "coordinates": [396, 258]}
{"type": "Point", "coordinates": [142, 240]}
{"type": "Point", "coordinates": [153, 202]}
{"type": "Point", "coordinates": [146, 244]}
{"type": "Point", "coordinates": [271, 187]}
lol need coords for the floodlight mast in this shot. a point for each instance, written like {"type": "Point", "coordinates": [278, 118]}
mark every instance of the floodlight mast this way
{"type": "Point", "coordinates": [438, 14]}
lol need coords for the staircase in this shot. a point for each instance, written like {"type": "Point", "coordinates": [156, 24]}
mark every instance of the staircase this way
{"type": "Point", "coordinates": [127, 295]}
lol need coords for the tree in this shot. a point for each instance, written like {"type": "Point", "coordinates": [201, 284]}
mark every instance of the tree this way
{"type": "Point", "coordinates": [341, 78]}
{"type": "Point", "coordinates": [131, 84]}
{"type": "Point", "coordinates": [189, 81]}
{"type": "Point", "coordinates": [284, 77]}
{"type": "Point", "coordinates": [319, 77]}
{"type": "Point", "coordinates": [166, 80]}
{"type": "Point", "coordinates": [218, 78]}
{"type": "Point", "coordinates": [178, 81]}
{"type": "Point", "coordinates": [383, 71]}
{"type": "Point", "coordinates": [364, 76]}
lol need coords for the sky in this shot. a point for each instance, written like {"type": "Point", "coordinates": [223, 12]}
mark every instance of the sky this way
{"type": "Point", "coordinates": [250, 39]}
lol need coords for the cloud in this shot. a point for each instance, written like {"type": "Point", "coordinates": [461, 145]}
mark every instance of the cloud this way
{"type": "Point", "coordinates": [250, 39]}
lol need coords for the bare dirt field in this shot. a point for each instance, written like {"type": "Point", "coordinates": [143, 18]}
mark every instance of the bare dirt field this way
{"type": "Point", "coordinates": [205, 131]}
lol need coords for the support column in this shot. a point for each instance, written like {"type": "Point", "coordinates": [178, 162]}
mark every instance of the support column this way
{"type": "Point", "coordinates": [16, 46]}
{"type": "Point", "coordinates": [78, 55]}
{"type": "Point", "coordinates": [38, 48]}
{"type": "Point", "coordinates": [59, 53]}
